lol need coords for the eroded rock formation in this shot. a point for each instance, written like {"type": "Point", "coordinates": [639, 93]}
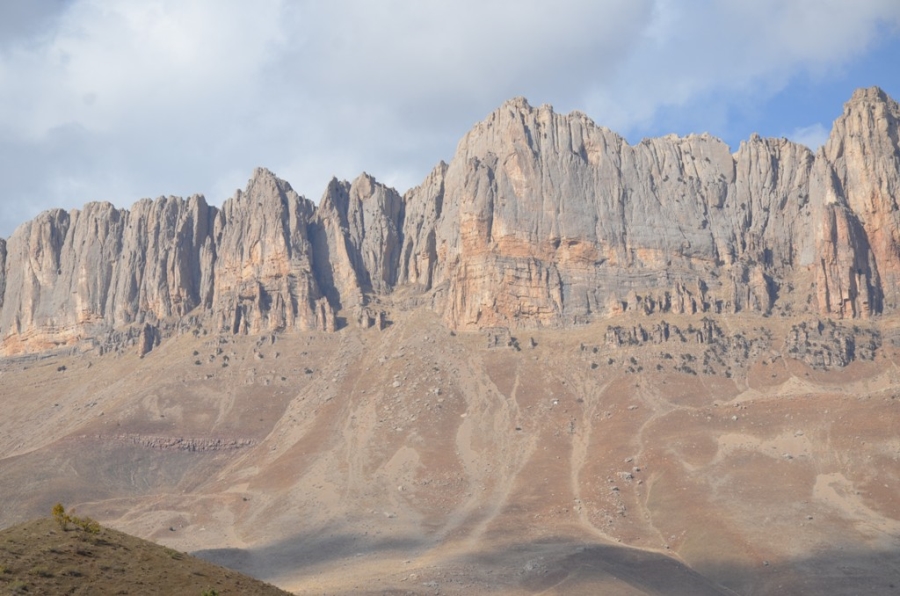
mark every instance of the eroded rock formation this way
{"type": "Point", "coordinates": [540, 219]}
{"type": "Point", "coordinates": [548, 218]}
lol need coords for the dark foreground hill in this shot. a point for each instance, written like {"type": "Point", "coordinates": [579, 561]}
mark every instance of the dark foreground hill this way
{"type": "Point", "coordinates": [38, 557]}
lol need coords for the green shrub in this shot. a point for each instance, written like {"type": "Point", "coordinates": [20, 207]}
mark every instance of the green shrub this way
{"type": "Point", "coordinates": [61, 517]}
{"type": "Point", "coordinates": [89, 525]}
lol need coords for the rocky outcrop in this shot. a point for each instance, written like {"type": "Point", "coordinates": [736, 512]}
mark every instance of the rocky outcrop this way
{"type": "Point", "coordinates": [368, 318]}
{"type": "Point", "coordinates": [718, 353]}
{"type": "Point", "coordinates": [357, 239]}
{"type": "Point", "coordinates": [423, 208]}
{"type": "Point", "coordinates": [149, 339]}
{"type": "Point", "coordinates": [863, 154]}
{"type": "Point", "coordinates": [540, 219]}
{"type": "Point", "coordinates": [191, 444]}
{"type": "Point", "coordinates": [263, 276]}
{"type": "Point", "coordinates": [825, 345]}
{"type": "Point", "coordinates": [847, 279]}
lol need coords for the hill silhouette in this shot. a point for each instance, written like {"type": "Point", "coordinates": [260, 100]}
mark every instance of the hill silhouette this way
{"type": "Point", "coordinates": [38, 557]}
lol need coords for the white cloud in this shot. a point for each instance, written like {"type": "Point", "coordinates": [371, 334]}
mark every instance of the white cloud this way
{"type": "Point", "coordinates": [114, 100]}
{"type": "Point", "coordinates": [111, 64]}
{"type": "Point", "coordinates": [742, 51]}
{"type": "Point", "coordinates": [813, 136]}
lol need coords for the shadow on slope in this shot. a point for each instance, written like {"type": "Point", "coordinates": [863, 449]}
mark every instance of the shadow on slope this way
{"type": "Point", "coordinates": [539, 566]}
{"type": "Point", "coordinates": [565, 568]}
{"type": "Point", "coordinates": [289, 558]}
{"type": "Point", "coordinates": [834, 572]}
{"type": "Point", "coordinates": [558, 566]}
{"type": "Point", "coordinates": [84, 470]}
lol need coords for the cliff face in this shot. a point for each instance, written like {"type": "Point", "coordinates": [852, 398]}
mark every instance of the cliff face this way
{"type": "Point", "coordinates": [863, 153]}
{"type": "Point", "coordinates": [547, 218]}
{"type": "Point", "coordinates": [539, 219]}
{"type": "Point", "coordinates": [263, 278]}
{"type": "Point", "coordinates": [72, 278]}
{"type": "Point", "coordinates": [358, 236]}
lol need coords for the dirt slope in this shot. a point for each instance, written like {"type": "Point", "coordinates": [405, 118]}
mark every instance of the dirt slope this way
{"type": "Point", "coordinates": [416, 460]}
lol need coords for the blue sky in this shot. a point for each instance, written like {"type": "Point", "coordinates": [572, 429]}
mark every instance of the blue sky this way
{"type": "Point", "coordinates": [117, 100]}
{"type": "Point", "coordinates": [802, 110]}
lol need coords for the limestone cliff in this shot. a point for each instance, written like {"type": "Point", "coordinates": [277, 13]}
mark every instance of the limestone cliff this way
{"type": "Point", "coordinates": [73, 277]}
{"type": "Point", "coordinates": [863, 153]}
{"type": "Point", "coordinates": [538, 219]}
{"type": "Point", "coordinates": [357, 239]}
{"type": "Point", "coordinates": [263, 277]}
{"type": "Point", "coordinates": [548, 218]}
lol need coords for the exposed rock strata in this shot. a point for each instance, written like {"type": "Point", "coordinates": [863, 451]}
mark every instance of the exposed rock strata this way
{"type": "Point", "coordinates": [179, 443]}
{"type": "Point", "coordinates": [540, 219]}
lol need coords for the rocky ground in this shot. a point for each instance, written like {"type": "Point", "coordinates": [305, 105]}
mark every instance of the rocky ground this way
{"type": "Point", "coordinates": [648, 454]}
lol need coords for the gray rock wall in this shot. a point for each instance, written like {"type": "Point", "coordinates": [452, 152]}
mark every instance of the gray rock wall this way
{"type": "Point", "coordinates": [539, 219]}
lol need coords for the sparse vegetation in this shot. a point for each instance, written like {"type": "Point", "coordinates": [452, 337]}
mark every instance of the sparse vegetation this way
{"type": "Point", "coordinates": [63, 519]}
{"type": "Point", "coordinates": [59, 514]}
{"type": "Point", "coordinates": [43, 557]}
{"type": "Point", "coordinates": [41, 571]}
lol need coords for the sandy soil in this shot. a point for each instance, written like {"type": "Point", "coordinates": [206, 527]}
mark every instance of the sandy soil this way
{"type": "Point", "coordinates": [414, 460]}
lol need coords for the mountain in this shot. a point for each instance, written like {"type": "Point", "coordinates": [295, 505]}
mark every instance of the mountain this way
{"type": "Point", "coordinates": [540, 219]}
{"type": "Point", "coordinates": [563, 364]}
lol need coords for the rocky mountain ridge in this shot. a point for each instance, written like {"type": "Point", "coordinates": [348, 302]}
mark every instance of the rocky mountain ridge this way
{"type": "Point", "coordinates": [540, 219]}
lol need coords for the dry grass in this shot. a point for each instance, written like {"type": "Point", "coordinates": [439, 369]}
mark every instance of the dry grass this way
{"type": "Point", "coordinates": [38, 557]}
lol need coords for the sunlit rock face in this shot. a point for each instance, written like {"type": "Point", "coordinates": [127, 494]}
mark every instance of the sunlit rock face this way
{"type": "Point", "coordinates": [544, 219]}
{"type": "Point", "coordinates": [539, 220]}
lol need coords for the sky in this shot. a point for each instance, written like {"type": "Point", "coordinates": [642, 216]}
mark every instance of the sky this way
{"type": "Point", "coordinates": [117, 100]}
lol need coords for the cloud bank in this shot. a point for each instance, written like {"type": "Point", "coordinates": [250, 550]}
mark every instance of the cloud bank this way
{"type": "Point", "coordinates": [116, 100]}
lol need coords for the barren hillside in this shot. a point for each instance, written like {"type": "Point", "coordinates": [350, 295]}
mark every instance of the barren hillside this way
{"type": "Point", "coordinates": [562, 364]}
